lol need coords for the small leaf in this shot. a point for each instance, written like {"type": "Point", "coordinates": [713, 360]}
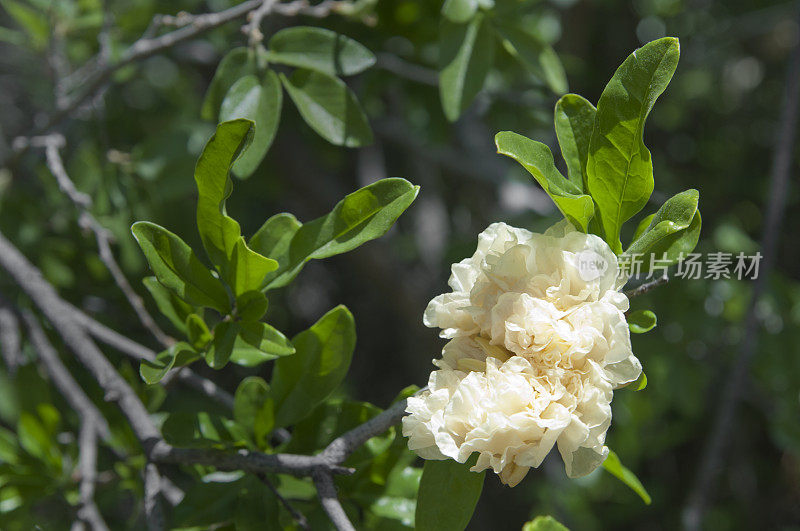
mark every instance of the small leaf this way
{"type": "Point", "coordinates": [536, 157]}
{"type": "Point", "coordinates": [619, 168]}
{"type": "Point", "coordinates": [177, 268]}
{"type": "Point", "coordinates": [459, 11]}
{"type": "Point", "coordinates": [329, 107]}
{"type": "Point", "coordinates": [574, 120]}
{"type": "Point", "coordinates": [641, 321]}
{"type": "Point", "coordinates": [544, 523]}
{"type": "Point", "coordinates": [466, 55]}
{"type": "Point", "coordinates": [237, 63]}
{"type": "Point", "coordinates": [254, 409]}
{"type": "Point", "coordinates": [197, 331]}
{"type": "Point", "coordinates": [259, 101]}
{"type": "Point", "coordinates": [170, 306]}
{"type": "Point", "coordinates": [538, 57]}
{"type": "Point", "coordinates": [220, 350]}
{"type": "Point", "coordinates": [319, 49]}
{"type": "Point", "coordinates": [275, 236]}
{"type": "Point", "coordinates": [251, 305]}
{"type": "Point", "coordinates": [360, 217]}
{"type": "Point", "coordinates": [640, 382]}
{"type": "Point", "coordinates": [266, 339]}
{"type": "Point", "coordinates": [613, 465]}
{"type": "Point", "coordinates": [248, 269]}
{"type": "Point", "coordinates": [448, 494]}
{"type": "Point", "coordinates": [673, 229]}
{"type": "Point", "coordinates": [177, 355]}
{"type": "Point", "coordinates": [302, 381]}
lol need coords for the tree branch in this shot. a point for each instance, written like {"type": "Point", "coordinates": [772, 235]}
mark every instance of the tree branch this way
{"type": "Point", "coordinates": [326, 490]}
{"type": "Point", "coordinates": [152, 505]}
{"type": "Point", "coordinates": [10, 338]}
{"type": "Point", "coordinates": [298, 517]}
{"type": "Point", "coordinates": [647, 286]}
{"type": "Point", "coordinates": [714, 452]}
{"type": "Point", "coordinates": [88, 512]}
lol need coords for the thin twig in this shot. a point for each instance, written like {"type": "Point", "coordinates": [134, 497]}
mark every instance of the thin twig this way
{"type": "Point", "coordinates": [10, 338]}
{"type": "Point", "coordinates": [88, 512]}
{"type": "Point", "coordinates": [253, 27]}
{"type": "Point", "coordinates": [152, 504]}
{"type": "Point", "coordinates": [62, 379]}
{"type": "Point", "coordinates": [714, 453]}
{"type": "Point", "coordinates": [647, 286]}
{"type": "Point", "coordinates": [329, 499]}
{"type": "Point", "coordinates": [297, 516]}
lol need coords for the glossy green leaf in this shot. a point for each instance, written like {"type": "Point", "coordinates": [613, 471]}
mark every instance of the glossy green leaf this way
{"type": "Point", "coordinates": [619, 168]}
{"type": "Point", "coordinates": [302, 381]}
{"type": "Point", "coordinates": [178, 268]}
{"type": "Point", "coordinates": [673, 229]}
{"type": "Point", "coordinates": [360, 217]}
{"type": "Point", "coordinates": [614, 466]}
{"type": "Point", "coordinates": [574, 121]}
{"type": "Point", "coordinates": [251, 305]}
{"type": "Point", "coordinates": [642, 226]}
{"type": "Point", "coordinates": [640, 383]}
{"type": "Point", "coordinates": [544, 523]}
{"type": "Point", "coordinates": [448, 493]}
{"type": "Point", "coordinates": [537, 56]}
{"type": "Point", "coordinates": [238, 63]}
{"type": "Point", "coordinates": [466, 55]}
{"type": "Point", "coordinates": [197, 331]}
{"type": "Point", "coordinates": [202, 430]}
{"type": "Point", "coordinates": [260, 102]}
{"type": "Point", "coordinates": [536, 157]}
{"type": "Point", "coordinates": [254, 408]}
{"type": "Point", "coordinates": [319, 49]}
{"type": "Point", "coordinates": [221, 348]}
{"type": "Point", "coordinates": [459, 11]}
{"type": "Point", "coordinates": [169, 304]}
{"type": "Point", "coordinates": [641, 321]}
{"type": "Point", "coordinates": [266, 339]}
{"type": "Point", "coordinates": [329, 107]}
{"type": "Point", "coordinates": [275, 236]}
{"type": "Point", "coordinates": [177, 355]}
{"type": "Point", "coordinates": [248, 269]}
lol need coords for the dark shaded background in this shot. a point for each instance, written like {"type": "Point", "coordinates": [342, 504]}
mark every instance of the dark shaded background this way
{"type": "Point", "coordinates": [133, 149]}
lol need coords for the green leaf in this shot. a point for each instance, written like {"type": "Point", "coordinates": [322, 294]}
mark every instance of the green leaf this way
{"type": "Point", "coordinates": [642, 226]}
{"type": "Point", "coordinates": [259, 101]}
{"type": "Point", "coordinates": [613, 465]}
{"type": "Point", "coordinates": [673, 229]}
{"type": "Point", "coordinates": [448, 493]}
{"type": "Point", "coordinates": [319, 49]}
{"type": "Point", "coordinates": [360, 217]}
{"type": "Point", "coordinates": [266, 339]}
{"type": "Point", "coordinates": [178, 268]}
{"type": "Point", "coordinates": [219, 352]}
{"type": "Point", "coordinates": [197, 331]}
{"type": "Point", "coordinates": [237, 63]}
{"type": "Point", "coordinates": [307, 378]}
{"type": "Point", "coordinates": [329, 107]}
{"type": "Point", "coordinates": [538, 57]}
{"type": "Point", "coordinates": [641, 321]}
{"type": "Point", "coordinates": [177, 355]}
{"type": "Point", "coordinates": [544, 523]}
{"type": "Point", "coordinates": [536, 157]}
{"type": "Point", "coordinates": [218, 231]}
{"type": "Point", "coordinates": [619, 167]}
{"type": "Point", "coordinates": [257, 508]}
{"type": "Point", "coordinates": [459, 11]}
{"type": "Point", "coordinates": [251, 305]}
{"type": "Point", "coordinates": [275, 236]}
{"type": "Point", "coordinates": [206, 505]}
{"type": "Point", "coordinates": [640, 383]}
{"type": "Point", "coordinates": [254, 408]}
{"type": "Point", "coordinates": [248, 269]}
{"type": "Point", "coordinates": [574, 120]}
{"type": "Point", "coordinates": [32, 21]}
{"type": "Point", "coordinates": [170, 306]}
{"type": "Point", "coordinates": [466, 55]}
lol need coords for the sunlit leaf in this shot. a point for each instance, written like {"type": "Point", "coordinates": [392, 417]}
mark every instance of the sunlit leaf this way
{"type": "Point", "coordinates": [319, 49]}
{"type": "Point", "coordinates": [614, 466]}
{"type": "Point", "coordinates": [448, 494]}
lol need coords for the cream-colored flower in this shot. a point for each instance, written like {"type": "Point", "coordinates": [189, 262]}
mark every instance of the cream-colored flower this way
{"type": "Point", "coordinates": [538, 342]}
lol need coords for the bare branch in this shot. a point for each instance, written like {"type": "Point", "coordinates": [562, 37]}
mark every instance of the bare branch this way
{"type": "Point", "coordinates": [298, 517]}
{"type": "Point", "coordinates": [152, 505]}
{"type": "Point", "coordinates": [63, 380]}
{"type": "Point", "coordinates": [88, 511]}
{"type": "Point", "coordinates": [253, 27]}
{"type": "Point", "coordinates": [10, 338]}
{"type": "Point", "coordinates": [713, 455]}
{"type": "Point", "coordinates": [647, 286]}
{"type": "Point", "coordinates": [326, 490]}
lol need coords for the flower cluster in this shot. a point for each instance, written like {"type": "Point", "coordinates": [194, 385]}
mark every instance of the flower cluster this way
{"type": "Point", "coordinates": [538, 342]}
